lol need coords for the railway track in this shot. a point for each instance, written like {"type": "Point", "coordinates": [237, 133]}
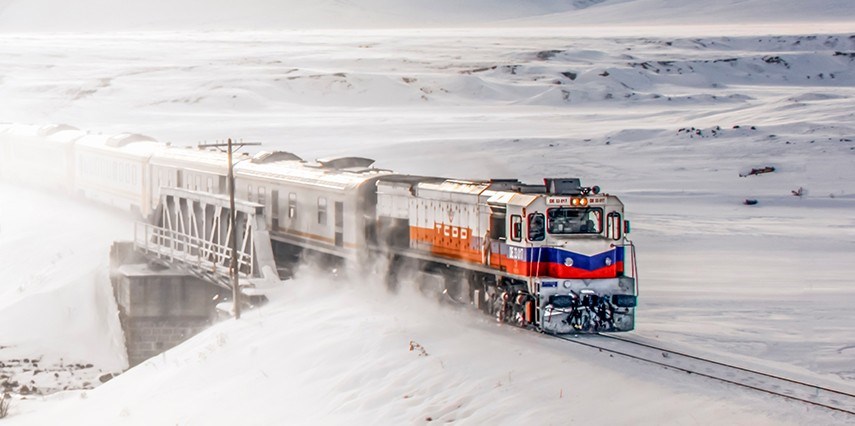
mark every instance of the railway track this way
{"type": "Point", "coordinates": [808, 393]}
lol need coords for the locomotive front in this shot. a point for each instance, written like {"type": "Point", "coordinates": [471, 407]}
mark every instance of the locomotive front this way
{"type": "Point", "coordinates": [576, 239]}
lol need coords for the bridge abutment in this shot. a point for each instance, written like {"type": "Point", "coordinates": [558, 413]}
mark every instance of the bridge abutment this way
{"type": "Point", "coordinates": [158, 307]}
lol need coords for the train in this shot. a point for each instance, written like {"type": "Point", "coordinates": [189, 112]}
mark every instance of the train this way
{"type": "Point", "coordinates": [552, 256]}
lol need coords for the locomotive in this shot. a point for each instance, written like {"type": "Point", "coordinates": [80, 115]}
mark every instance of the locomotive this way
{"type": "Point", "coordinates": [550, 256]}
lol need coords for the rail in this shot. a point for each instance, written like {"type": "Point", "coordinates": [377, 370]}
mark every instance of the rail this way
{"type": "Point", "coordinates": [797, 390]}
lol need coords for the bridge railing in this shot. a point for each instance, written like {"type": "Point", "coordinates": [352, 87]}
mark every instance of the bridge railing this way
{"type": "Point", "coordinates": [193, 252]}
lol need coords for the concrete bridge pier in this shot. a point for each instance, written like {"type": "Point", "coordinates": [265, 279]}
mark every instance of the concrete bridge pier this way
{"type": "Point", "coordinates": [158, 307]}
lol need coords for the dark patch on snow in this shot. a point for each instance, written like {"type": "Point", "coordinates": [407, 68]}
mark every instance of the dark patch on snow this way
{"type": "Point", "coordinates": [21, 375]}
{"type": "Point", "coordinates": [480, 69]}
{"type": "Point", "coordinates": [545, 55]}
{"type": "Point", "coordinates": [775, 60]}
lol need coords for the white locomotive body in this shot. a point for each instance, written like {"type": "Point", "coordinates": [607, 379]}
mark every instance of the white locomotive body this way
{"type": "Point", "coordinates": [550, 255]}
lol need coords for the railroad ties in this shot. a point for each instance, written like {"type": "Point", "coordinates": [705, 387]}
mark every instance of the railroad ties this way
{"type": "Point", "coordinates": [822, 396]}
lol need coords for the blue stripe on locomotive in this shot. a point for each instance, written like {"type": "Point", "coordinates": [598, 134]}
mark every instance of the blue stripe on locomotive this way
{"type": "Point", "coordinates": [557, 255]}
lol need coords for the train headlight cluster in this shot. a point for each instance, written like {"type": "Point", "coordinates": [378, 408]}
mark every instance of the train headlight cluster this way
{"type": "Point", "coordinates": [579, 202]}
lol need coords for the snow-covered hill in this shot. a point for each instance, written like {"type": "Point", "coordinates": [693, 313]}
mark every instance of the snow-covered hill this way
{"type": "Point", "coordinates": [814, 14]}
{"type": "Point", "coordinates": [343, 352]}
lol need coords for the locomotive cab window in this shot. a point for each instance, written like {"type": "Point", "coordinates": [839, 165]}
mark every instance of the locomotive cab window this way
{"type": "Point", "coordinates": [564, 221]}
{"type": "Point", "coordinates": [535, 227]}
{"type": "Point", "coordinates": [516, 227]}
{"type": "Point", "coordinates": [614, 226]}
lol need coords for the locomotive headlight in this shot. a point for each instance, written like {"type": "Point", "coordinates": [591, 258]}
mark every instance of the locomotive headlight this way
{"type": "Point", "coordinates": [568, 262]}
{"type": "Point", "coordinates": [574, 201]}
{"type": "Point", "coordinates": [567, 284]}
{"type": "Point", "coordinates": [583, 201]}
{"type": "Point", "coordinates": [608, 261]}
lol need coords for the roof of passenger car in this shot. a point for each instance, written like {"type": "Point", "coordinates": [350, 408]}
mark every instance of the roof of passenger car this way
{"type": "Point", "coordinates": [126, 143]}
{"type": "Point", "coordinates": [190, 157]}
{"type": "Point", "coordinates": [320, 174]}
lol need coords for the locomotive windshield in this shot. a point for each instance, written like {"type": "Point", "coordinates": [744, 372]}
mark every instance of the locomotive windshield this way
{"type": "Point", "coordinates": [574, 220]}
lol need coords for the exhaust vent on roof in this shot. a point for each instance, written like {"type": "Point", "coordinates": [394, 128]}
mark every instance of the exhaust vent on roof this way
{"type": "Point", "coordinates": [346, 162]}
{"type": "Point", "coordinates": [563, 186]}
{"type": "Point", "coordinates": [272, 157]}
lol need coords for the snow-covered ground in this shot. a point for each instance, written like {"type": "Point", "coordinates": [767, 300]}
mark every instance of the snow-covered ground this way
{"type": "Point", "coordinates": [666, 112]}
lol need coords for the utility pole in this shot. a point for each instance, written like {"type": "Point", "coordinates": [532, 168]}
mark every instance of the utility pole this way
{"type": "Point", "coordinates": [233, 261]}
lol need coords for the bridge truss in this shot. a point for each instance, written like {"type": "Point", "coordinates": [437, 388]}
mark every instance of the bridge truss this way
{"type": "Point", "coordinates": [190, 230]}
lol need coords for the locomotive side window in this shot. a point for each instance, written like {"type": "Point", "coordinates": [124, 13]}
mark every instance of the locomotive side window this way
{"type": "Point", "coordinates": [535, 227]}
{"type": "Point", "coordinates": [322, 211]}
{"type": "Point", "coordinates": [516, 227]}
{"type": "Point", "coordinates": [575, 221]}
{"type": "Point", "coordinates": [614, 226]}
{"type": "Point", "coordinates": [292, 205]}
{"type": "Point", "coordinates": [498, 225]}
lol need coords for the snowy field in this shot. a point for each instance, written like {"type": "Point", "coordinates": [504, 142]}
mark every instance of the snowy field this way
{"type": "Point", "coordinates": [665, 116]}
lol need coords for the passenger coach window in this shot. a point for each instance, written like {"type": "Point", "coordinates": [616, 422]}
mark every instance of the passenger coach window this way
{"type": "Point", "coordinates": [322, 211]}
{"type": "Point", "coordinates": [261, 195]}
{"type": "Point", "coordinates": [516, 227]}
{"type": "Point", "coordinates": [292, 205]}
{"type": "Point", "coordinates": [535, 227]}
{"type": "Point", "coordinates": [575, 221]}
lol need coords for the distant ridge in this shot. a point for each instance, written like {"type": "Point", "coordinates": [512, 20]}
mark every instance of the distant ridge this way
{"type": "Point", "coordinates": [135, 15]}
{"type": "Point", "coordinates": [132, 15]}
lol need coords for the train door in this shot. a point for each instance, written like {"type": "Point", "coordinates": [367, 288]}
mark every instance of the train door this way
{"type": "Point", "coordinates": [155, 176]}
{"type": "Point", "coordinates": [274, 209]}
{"type": "Point", "coordinates": [339, 223]}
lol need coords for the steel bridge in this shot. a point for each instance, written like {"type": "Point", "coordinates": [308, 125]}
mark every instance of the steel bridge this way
{"type": "Point", "coordinates": [190, 230]}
